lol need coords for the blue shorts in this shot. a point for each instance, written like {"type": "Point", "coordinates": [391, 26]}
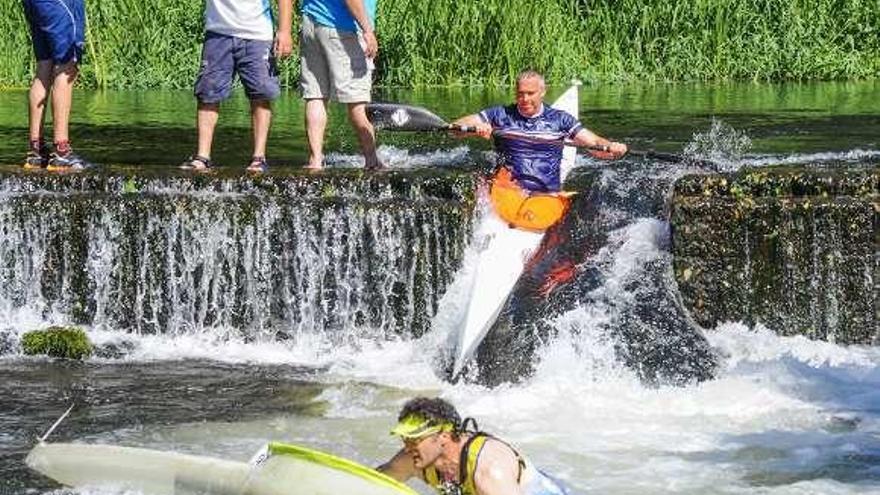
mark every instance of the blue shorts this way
{"type": "Point", "coordinates": [224, 56]}
{"type": "Point", "coordinates": [58, 29]}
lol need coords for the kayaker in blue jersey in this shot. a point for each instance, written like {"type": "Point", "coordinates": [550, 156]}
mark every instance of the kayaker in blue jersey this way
{"type": "Point", "coordinates": [455, 458]}
{"type": "Point", "coordinates": [528, 135]}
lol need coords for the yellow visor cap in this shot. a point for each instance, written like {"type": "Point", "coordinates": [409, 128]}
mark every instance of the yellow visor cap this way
{"type": "Point", "coordinates": [417, 426]}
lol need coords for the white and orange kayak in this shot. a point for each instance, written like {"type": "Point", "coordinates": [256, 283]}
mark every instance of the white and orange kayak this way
{"type": "Point", "coordinates": [511, 235]}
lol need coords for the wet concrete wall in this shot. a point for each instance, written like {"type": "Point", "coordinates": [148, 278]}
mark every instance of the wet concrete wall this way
{"type": "Point", "coordinates": [795, 249]}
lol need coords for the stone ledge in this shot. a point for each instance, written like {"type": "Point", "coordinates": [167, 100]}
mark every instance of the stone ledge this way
{"type": "Point", "coordinates": [443, 185]}
{"type": "Point", "coordinates": [793, 248]}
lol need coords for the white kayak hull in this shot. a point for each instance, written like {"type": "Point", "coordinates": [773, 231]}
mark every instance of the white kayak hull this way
{"type": "Point", "coordinates": [280, 470]}
{"type": "Point", "coordinates": [141, 470]}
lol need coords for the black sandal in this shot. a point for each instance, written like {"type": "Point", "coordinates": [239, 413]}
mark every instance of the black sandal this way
{"type": "Point", "coordinates": [197, 162]}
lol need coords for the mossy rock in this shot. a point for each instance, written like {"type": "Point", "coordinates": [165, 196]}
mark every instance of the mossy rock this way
{"type": "Point", "coordinates": [60, 342]}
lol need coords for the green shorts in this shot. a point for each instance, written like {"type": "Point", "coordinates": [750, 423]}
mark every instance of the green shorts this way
{"type": "Point", "coordinates": [333, 64]}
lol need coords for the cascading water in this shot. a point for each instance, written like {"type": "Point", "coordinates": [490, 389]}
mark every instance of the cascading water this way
{"type": "Point", "coordinates": [278, 258]}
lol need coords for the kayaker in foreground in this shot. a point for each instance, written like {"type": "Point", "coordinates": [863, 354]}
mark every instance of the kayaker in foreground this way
{"type": "Point", "coordinates": [529, 135]}
{"type": "Point", "coordinates": [455, 458]}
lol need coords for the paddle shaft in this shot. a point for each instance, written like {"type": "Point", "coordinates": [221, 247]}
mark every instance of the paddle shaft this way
{"type": "Point", "coordinates": [655, 155]}
{"type": "Point", "coordinates": [462, 128]}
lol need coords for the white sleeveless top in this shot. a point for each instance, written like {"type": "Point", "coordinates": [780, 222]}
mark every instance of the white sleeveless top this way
{"type": "Point", "coordinates": [249, 19]}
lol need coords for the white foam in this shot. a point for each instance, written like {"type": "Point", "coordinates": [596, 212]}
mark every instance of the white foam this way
{"type": "Point", "coordinates": [394, 157]}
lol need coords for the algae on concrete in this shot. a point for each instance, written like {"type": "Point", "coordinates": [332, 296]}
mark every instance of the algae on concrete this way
{"type": "Point", "coordinates": [795, 249]}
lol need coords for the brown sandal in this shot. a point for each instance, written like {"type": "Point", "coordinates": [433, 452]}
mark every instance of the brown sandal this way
{"type": "Point", "coordinates": [258, 165]}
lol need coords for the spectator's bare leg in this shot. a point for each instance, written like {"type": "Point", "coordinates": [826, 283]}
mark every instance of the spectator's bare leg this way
{"type": "Point", "coordinates": [316, 125]}
{"type": "Point", "coordinates": [357, 113]}
{"type": "Point", "coordinates": [206, 121]}
{"type": "Point", "coordinates": [62, 99]}
{"type": "Point", "coordinates": [37, 98]}
{"type": "Point", "coordinates": [261, 120]}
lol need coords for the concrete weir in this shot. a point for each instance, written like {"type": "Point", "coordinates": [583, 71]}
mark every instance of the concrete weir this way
{"type": "Point", "coordinates": [337, 253]}
{"type": "Point", "coordinates": [795, 249]}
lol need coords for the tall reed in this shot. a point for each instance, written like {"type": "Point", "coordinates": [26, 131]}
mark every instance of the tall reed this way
{"type": "Point", "coordinates": [15, 45]}
{"type": "Point", "coordinates": [138, 44]}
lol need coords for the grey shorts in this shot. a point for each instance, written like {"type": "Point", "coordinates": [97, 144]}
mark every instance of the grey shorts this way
{"type": "Point", "coordinates": [333, 64]}
{"type": "Point", "coordinates": [224, 56]}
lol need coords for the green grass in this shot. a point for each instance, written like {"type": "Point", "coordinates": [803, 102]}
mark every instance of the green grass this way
{"type": "Point", "coordinates": [136, 44]}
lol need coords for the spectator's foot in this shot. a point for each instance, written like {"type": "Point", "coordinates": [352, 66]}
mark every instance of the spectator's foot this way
{"type": "Point", "coordinates": [314, 166]}
{"type": "Point", "coordinates": [35, 160]}
{"type": "Point", "coordinates": [198, 163]}
{"type": "Point", "coordinates": [37, 156]}
{"type": "Point", "coordinates": [67, 162]}
{"type": "Point", "coordinates": [258, 165]}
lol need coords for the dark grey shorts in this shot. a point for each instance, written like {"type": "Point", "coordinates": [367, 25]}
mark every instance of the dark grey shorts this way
{"type": "Point", "coordinates": [224, 56]}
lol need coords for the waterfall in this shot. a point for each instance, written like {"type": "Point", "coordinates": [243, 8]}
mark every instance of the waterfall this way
{"type": "Point", "coordinates": [271, 257]}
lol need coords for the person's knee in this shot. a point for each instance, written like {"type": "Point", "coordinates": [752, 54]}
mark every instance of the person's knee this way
{"type": "Point", "coordinates": [261, 107]}
{"type": "Point", "coordinates": [357, 115]}
{"type": "Point", "coordinates": [208, 106]}
{"type": "Point", "coordinates": [45, 67]}
{"type": "Point", "coordinates": [316, 110]}
{"type": "Point", "coordinates": [45, 72]}
{"type": "Point", "coordinates": [68, 70]}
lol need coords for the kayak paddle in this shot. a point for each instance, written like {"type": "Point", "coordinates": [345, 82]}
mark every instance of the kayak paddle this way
{"type": "Point", "coordinates": [539, 139]}
{"type": "Point", "coordinates": [397, 117]}
{"type": "Point", "coordinates": [400, 117]}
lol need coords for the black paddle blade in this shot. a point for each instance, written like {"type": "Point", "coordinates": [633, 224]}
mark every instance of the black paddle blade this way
{"type": "Point", "coordinates": [396, 117]}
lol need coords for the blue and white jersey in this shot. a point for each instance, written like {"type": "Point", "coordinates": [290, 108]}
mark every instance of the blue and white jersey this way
{"type": "Point", "coordinates": [248, 19]}
{"type": "Point", "coordinates": [534, 162]}
{"type": "Point", "coordinates": [335, 14]}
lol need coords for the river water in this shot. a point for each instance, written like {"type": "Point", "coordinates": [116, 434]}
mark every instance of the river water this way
{"type": "Point", "coordinates": [784, 415]}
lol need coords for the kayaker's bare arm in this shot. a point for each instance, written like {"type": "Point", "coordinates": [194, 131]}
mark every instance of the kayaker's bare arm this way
{"type": "Point", "coordinates": [399, 467]}
{"type": "Point", "coordinates": [587, 138]}
{"type": "Point", "coordinates": [497, 471]}
{"type": "Point", "coordinates": [483, 128]}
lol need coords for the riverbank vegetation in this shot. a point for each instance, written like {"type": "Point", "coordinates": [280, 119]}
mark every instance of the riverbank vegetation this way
{"type": "Point", "coordinates": [137, 44]}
